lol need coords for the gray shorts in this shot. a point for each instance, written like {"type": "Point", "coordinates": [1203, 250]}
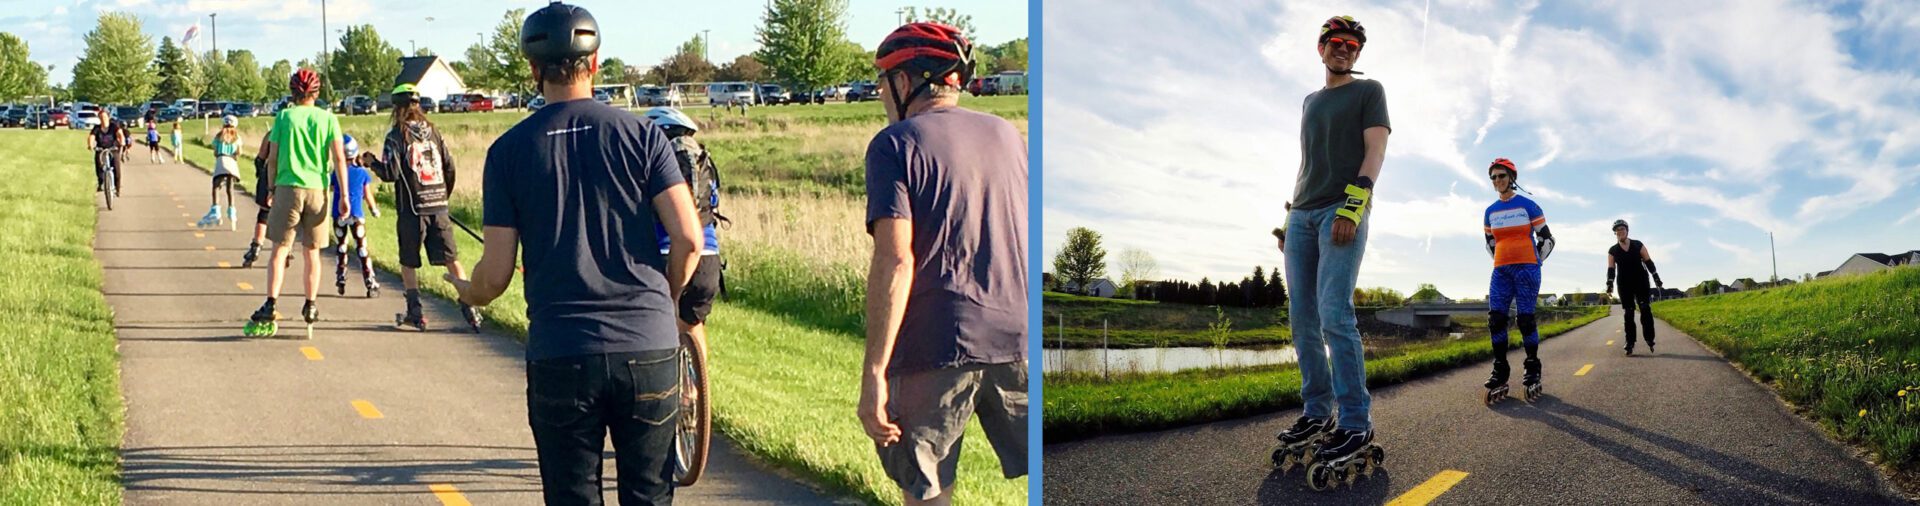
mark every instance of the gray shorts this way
{"type": "Point", "coordinates": [932, 409]}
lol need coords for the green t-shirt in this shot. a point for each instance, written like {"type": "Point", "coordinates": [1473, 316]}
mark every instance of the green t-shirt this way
{"type": "Point", "coordinates": [1331, 142]}
{"type": "Point", "coordinates": [304, 137]}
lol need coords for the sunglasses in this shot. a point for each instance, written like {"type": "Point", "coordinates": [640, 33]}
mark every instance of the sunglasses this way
{"type": "Point", "coordinates": [1497, 177]}
{"type": "Point", "coordinates": [1350, 43]}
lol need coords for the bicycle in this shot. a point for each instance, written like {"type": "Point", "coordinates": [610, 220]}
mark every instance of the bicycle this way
{"type": "Point", "coordinates": [694, 435]}
{"type": "Point", "coordinates": [105, 157]}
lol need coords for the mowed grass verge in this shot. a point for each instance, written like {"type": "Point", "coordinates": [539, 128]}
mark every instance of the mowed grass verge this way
{"type": "Point", "coordinates": [1082, 405]}
{"type": "Point", "coordinates": [786, 346]}
{"type": "Point", "coordinates": [1845, 350]}
{"type": "Point", "coordinates": [61, 416]}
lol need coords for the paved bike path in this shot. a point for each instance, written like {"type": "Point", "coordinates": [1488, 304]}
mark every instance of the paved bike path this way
{"type": "Point", "coordinates": [361, 414]}
{"type": "Point", "coordinates": [1679, 427]}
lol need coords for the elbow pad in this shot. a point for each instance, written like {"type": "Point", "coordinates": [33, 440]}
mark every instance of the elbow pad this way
{"type": "Point", "coordinates": [1544, 247]}
{"type": "Point", "coordinates": [1650, 268]}
{"type": "Point", "coordinates": [1489, 245]}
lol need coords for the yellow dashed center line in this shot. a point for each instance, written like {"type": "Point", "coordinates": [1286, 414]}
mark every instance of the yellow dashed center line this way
{"type": "Point", "coordinates": [312, 353]}
{"type": "Point", "coordinates": [1583, 370]}
{"type": "Point", "coordinates": [224, 265]}
{"type": "Point", "coordinates": [199, 234]}
{"type": "Point", "coordinates": [448, 495]}
{"type": "Point", "coordinates": [244, 286]}
{"type": "Point", "coordinates": [179, 206]}
{"type": "Point", "coordinates": [367, 410]}
{"type": "Point", "coordinates": [1430, 490]}
{"type": "Point", "coordinates": [1609, 342]}
{"type": "Point", "coordinates": [209, 248]}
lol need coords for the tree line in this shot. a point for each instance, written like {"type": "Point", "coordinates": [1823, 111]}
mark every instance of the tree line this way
{"type": "Point", "coordinates": [803, 45]}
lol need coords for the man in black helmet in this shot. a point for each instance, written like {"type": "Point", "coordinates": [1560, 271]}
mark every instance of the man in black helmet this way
{"type": "Point", "coordinates": [947, 287]}
{"type": "Point", "coordinates": [1632, 262]}
{"type": "Point", "coordinates": [576, 189]}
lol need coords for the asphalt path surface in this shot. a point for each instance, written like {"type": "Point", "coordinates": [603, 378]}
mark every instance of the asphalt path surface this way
{"type": "Point", "coordinates": [1678, 427]}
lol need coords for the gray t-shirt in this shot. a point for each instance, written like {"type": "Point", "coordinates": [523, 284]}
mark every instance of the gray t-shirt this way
{"type": "Point", "coordinates": [961, 178]}
{"type": "Point", "coordinates": [1331, 141]}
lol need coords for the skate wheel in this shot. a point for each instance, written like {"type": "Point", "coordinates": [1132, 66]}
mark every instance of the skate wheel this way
{"type": "Point", "coordinates": [1318, 477]}
{"type": "Point", "coordinates": [1378, 454]}
{"type": "Point", "coordinates": [1283, 459]}
{"type": "Point", "coordinates": [1350, 476]}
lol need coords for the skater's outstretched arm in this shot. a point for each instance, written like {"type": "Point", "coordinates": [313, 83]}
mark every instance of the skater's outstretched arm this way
{"type": "Point", "coordinates": [494, 271]}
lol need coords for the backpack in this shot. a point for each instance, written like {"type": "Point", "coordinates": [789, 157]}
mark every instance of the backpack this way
{"type": "Point", "coordinates": [702, 176]}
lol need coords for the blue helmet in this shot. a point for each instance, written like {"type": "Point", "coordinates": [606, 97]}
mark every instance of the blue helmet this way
{"type": "Point", "coordinates": [353, 148]}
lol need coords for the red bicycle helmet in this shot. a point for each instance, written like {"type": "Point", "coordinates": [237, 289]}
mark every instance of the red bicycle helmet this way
{"type": "Point", "coordinates": [927, 50]}
{"type": "Point", "coordinates": [304, 82]}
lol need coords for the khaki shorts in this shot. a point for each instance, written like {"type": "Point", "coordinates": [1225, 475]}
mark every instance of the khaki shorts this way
{"type": "Point", "coordinates": [932, 409]}
{"type": "Point", "coordinates": [301, 212]}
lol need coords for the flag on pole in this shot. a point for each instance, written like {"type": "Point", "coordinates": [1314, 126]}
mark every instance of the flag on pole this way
{"type": "Point", "coordinates": [191, 32]}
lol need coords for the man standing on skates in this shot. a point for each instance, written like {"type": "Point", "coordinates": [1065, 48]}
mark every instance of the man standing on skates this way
{"type": "Point", "coordinates": [1343, 142]}
{"type": "Point", "coordinates": [1511, 225]}
{"type": "Point", "coordinates": [306, 155]}
{"type": "Point", "coordinates": [1627, 256]}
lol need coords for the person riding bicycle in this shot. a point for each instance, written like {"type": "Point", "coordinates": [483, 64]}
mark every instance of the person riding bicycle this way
{"type": "Point", "coordinates": [704, 181]}
{"type": "Point", "coordinates": [1633, 263]}
{"type": "Point", "coordinates": [575, 188]}
{"type": "Point", "coordinates": [102, 138]}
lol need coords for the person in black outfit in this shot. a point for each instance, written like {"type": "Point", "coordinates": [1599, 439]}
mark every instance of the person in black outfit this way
{"type": "Point", "coordinates": [1631, 260]}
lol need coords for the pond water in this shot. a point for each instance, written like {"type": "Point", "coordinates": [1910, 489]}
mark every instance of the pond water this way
{"type": "Point", "coordinates": [1162, 359]}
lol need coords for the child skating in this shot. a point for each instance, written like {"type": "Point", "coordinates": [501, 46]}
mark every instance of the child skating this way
{"type": "Point", "coordinates": [353, 224]}
{"type": "Point", "coordinates": [1511, 224]}
{"type": "Point", "coordinates": [226, 172]}
{"type": "Point", "coordinates": [178, 156]}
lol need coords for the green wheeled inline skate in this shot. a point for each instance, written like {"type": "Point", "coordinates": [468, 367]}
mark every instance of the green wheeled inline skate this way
{"type": "Point", "coordinates": [264, 322]}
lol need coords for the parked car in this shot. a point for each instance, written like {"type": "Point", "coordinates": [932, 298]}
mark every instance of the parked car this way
{"type": "Point", "coordinates": [361, 104]}
{"type": "Point", "coordinates": [242, 110]}
{"type": "Point", "coordinates": [473, 102]}
{"type": "Point", "coordinates": [58, 118]}
{"type": "Point", "coordinates": [209, 109]}
{"type": "Point", "coordinates": [128, 114]}
{"type": "Point", "coordinates": [862, 92]}
{"type": "Point", "coordinates": [84, 119]}
{"type": "Point", "coordinates": [170, 114]}
{"type": "Point", "coordinates": [1011, 82]}
{"type": "Point", "coordinates": [16, 116]}
{"type": "Point", "coordinates": [772, 94]}
{"type": "Point", "coordinates": [655, 96]}
{"type": "Point", "coordinates": [730, 93]}
{"type": "Point", "coordinates": [536, 103]}
{"type": "Point", "coordinates": [40, 120]}
{"type": "Point", "coordinates": [602, 96]}
{"type": "Point", "coordinates": [451, 104]}
{"type": "Point", "coordinates": [186, 105]}
{"type": "Point", "coordinates": [426, 104]}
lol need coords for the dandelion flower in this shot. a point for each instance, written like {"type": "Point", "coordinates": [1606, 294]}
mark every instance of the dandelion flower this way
{"type": "Point", "coordinates": [1863, 413]}
{"type": "Point", "coordinates": [1903, 393]}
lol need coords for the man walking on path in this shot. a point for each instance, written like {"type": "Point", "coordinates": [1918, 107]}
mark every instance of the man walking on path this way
{"type": "Point", "coordinates": [947, 288]}
{"type": "Point", "coordinates": [580, 185]}
{"type": "Point", "coordinates": [1343, 142]}
{"type": "Point", "coordinates": [306, 155]}
{"type": "Point", "coordinates": [1630, 257]}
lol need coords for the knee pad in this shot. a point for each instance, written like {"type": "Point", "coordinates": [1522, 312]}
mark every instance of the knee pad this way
{"type": "Point", "coordinates": [1526, 324]}
{"type": "Point", "coordinates": [1497, 329]}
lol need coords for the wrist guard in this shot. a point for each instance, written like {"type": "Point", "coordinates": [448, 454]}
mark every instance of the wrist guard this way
{"type": "Point", "coordinates": [1356, 205]}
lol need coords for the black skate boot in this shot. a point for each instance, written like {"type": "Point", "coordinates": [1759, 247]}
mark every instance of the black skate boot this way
{"type": "Point", "coordinates": [472, 316]}
{"type": "Point", "coordinates": [366, 277]}
{"type": "Point", "coordinates": [311, 313]}
{"type": "Point", "coordinates": [1497, 382]}
{"type": "Point", "coordinates": [253, 253]}
{"type": "Point", "coordinates": [1298, 442]}
{"type": "Point", "coordinates": [263, 322]}
{"type": "Point", "coordinates": [1344, 456]}
{"type": "Point", "coordinates": [340, 277]}
{"type": "Point", "coordinates": [1531, 379]}
{"type": "Point", "coordinates": [415, 317]}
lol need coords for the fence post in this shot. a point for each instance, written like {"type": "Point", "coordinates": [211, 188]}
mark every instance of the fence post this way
{"type": "Point", "coordinates": [1103, 348]}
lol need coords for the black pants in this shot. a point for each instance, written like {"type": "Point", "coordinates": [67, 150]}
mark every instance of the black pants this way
{"type": "Point", "coordinates": [100, 170]}
{"type": "Point", "coordinates": [574, 402]}
{"type": "Point", "coordinates": [1631, 296]}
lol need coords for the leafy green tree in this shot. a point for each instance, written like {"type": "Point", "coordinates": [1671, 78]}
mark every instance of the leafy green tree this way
{"type": "Point", "coordinates": [113, 67]}
{"type": "Point", "coordinates": [422, 51]}
{"type": "Point", "coordinates": [684, 66]}
{"type": "Point", "coordinates": [945, 16]}
{"type": "Point", "coordinates": [365, 64]}
{"type": "Point", "coordinates": [16, 71]}
{"type": "Point", "coordinates": [275, 78]}
{"type": "Point", "coordinates": [696, 46]}
{"type": "Point", "coordinates": [240, 77]}
{"type": "Point", "coordinates": [613, 70]}
{"type": "Point", "coordinates": [1011, 55]}
{"type": "Point", "coordinates": [1081, 260]}
{"type": "Point", "coordinates": [805, 42]}
{"type": "Point", "coordinates": [508, 70]}
{"type": "Point", "coordinates": [179, 77]}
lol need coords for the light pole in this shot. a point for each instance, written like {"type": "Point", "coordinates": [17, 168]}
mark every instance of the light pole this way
{"type": "Point", "coordinates": [706, 46]}
{"type": "Point", "coordinates": [215, 17]}
{"type": "Point", "coordinates": [411, 47]}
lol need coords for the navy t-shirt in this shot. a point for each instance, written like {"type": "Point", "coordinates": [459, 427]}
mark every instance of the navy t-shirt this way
{"type": "Point", "coordinates": [961, 178]}
{"type": "Point", "coordinates": [577, 180]}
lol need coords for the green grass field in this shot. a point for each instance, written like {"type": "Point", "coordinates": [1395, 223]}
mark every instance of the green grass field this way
{"type": "Point", "coordinates": [1149, 324]}
{"type": "Point", "coordinates": [61, 417]}
{"type": "Point", "coordinates": [786, 346]}
{"type": "Point", "coordinates": [1081, 405]}
{"type": "Point", "coordinates": [1847, 350]}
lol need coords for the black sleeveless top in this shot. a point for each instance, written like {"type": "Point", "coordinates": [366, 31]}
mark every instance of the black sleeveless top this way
{"type": "Point", "coordinates": [1627, 262]}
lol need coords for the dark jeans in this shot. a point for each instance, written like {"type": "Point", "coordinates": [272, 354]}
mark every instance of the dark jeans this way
{"type": "Point", "coordinates": [1630, 298]}
{"type": "Point", "coordinates": [572, 404]}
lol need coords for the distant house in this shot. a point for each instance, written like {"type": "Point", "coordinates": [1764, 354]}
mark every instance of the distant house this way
{"type": "Point", "coordinates": [1862, 263]}
{"type": "Point", "coordinates": [1586, 299]}
{"type": "Point", "coordinates": [1429, 297]}
{"type": "Point", "coordinates": [1097, 288]}
{"type": "Point", "coordinates": [1670, 293]}
{"type": "Point", "coordinates": [1548, 299]}
{"type": "Point", "coordinates": [431, 77]}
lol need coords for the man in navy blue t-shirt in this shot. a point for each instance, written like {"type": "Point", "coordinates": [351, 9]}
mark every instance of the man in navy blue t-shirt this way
{"type": "Point", "coordinates": [576, 189]}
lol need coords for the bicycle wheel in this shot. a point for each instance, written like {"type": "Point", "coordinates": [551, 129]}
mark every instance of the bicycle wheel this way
{"type": "Point", "coordinates": [695, 433]}
{"type": "Point", "coordinates": [106, 178]}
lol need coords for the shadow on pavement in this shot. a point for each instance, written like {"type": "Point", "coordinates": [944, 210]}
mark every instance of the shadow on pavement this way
{"type": "Point", "coordinates": [1745, 482]}
{"type": "Point", "coordinates": [1291, 488]}
{"type": "Point", "coordinates": [296, 468]}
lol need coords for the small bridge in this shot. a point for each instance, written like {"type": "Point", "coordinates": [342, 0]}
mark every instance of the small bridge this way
{"type": "Point", "coordinates": [1421, 315]}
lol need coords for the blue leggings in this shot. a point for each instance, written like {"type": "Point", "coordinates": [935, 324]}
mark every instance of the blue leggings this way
{"type": "Point", "coordinates": [1514, 284]}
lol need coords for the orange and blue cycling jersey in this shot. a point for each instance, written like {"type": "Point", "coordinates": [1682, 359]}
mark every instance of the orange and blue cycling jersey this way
{"type": "Point", "coordinates": [1512, 223]}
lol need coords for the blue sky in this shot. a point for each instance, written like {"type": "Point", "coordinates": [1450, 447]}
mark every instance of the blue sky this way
{"type": "Point", "coordinates": [1174, 128]}
{"type": "Point", "coordinates": [641, 33]}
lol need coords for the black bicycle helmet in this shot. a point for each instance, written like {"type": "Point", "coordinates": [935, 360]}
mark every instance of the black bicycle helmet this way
{"type": "Point", "coordinates": [559, 31]}
{"type": "Point", "coordinates": [1619, 224]}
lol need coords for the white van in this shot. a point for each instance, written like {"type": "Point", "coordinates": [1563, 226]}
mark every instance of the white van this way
{"type": "Point", "coordinates": [730, 93]}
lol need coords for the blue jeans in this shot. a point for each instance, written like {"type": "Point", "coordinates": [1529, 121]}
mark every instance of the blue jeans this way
{"type": "Point", "coordinates": [1320, 279]}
